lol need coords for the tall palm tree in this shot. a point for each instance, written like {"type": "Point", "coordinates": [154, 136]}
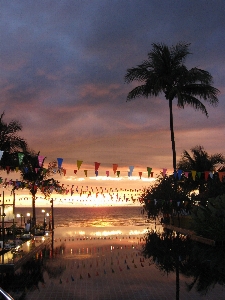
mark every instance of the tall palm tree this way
{"type": "Point", "coordinates": [164, 72]}
{"type": "Point", "coordinates": [10, 142]}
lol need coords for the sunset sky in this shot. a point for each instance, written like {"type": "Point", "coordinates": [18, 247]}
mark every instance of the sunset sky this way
{"type": "Point", "coordinates": [62, 68]}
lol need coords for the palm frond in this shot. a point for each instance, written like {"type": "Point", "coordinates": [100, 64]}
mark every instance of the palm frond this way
{"type": "Point", "coordinates": [199, 75]}
{"type": "Point", "coordinates": [141, 91]}
{"type": "Point", "coordinates": [202, 91]}
{"type": "Point", "coordinates": [186, 162]}
{"type": "Point", "coordinates": [139, 73]}
{"type": "Point", "coordinates": [217, 158]}
{"type": "Point", "coordinates": [199, 160]}
{"type": "Point", "coordinates": [14, 126]}
{"type": "Point", "coordinates": [179, 52]}
{"type": "Point", "coordinates": [192, 101]}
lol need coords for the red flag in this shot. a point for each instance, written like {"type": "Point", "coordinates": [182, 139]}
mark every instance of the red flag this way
{"type": "Point", "coordinates": [115, 166]}
{"type": "Point", "coordinates": [221, 175]}
{"type": "Point", "coordinates": [206, 175]}
{"type": "Point", "coordinates": [97, 166]}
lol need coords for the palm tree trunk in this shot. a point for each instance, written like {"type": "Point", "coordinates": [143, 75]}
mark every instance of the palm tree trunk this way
{"type": "Point", "coordinates": [177, 267]}
{"type": "Point", "coordinates": [177, 279]}
{"type": "Point", "coordinates": [33, 211]}
{"type": "Point", "coordinates": [172, 135]}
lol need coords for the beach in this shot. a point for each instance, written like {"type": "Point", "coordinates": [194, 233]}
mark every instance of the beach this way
{"type": "Point", "coordinates": [107, 267]}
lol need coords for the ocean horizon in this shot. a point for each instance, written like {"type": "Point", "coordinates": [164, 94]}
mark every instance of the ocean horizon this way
{"type": "Point", "coordinates": [87, 216]}
{"type": "Point", "coordinates": [91, 221]}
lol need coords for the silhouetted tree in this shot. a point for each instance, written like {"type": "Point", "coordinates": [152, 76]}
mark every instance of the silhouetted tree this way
{"type": "Point", "coordinates": [36, 177]}
{"type": "Point", "coordinates": [164, 72]}
{"type": "Point", "coordinates": [199, 160]}
{"type": "Point", "coordinates": [167, 197]}
{"type": "Point", "coordinates": [206, 182]}
{"type": "Point", "coordinates": [10, 142]}
{"type": "Point", "coordinates": [168, 251]}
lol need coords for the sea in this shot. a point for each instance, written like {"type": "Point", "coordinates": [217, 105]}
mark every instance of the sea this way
{"type": "Point", "coordinates": [102, 221]}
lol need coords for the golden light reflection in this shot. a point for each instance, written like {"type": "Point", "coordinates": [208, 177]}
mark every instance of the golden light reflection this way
{"type": "Point", "coordinates": [81, 232]}
{"type": "Point", "coordinates": [106, 233]}
{"type": "Point", "coordinates": [138, 232]}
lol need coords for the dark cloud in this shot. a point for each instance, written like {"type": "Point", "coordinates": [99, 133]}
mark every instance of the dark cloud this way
{"type": "Point", "coordinates": [62, 76]}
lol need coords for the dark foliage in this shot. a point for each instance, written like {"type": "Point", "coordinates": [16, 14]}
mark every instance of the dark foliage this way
{"type": "Point", "coordinates": [11, 143]}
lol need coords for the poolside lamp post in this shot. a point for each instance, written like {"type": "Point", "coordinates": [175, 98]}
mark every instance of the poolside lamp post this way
{"type": "Point", "coordinates": [28, 221]}
{"type": "Point", "coordinates": [44, 219]}
{"type": "Point", "coordinates": [47, 215]}
{"type": "Point", "coordinates": [3, 230]}
{"type": "Point", "coordinates": [21, 218]}
{"type": "Point", "coordinates": [28, 217]}
{"type": "Point", "coordinates": [52, 227]}
{"type": "Point", "coordinates": [52, 214]}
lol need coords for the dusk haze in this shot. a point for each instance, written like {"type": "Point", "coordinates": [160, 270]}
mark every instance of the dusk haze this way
{"type": "Point", "coordinates": [112, 157]}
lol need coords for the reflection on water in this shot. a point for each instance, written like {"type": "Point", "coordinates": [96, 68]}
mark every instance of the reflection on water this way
{"type": "Point", "coordinates": [203, 264]}
{"type": "Point", "coordinates": [15, 254]}
{"type": "Point", "coordinates": [111, 233]}
{"type": "Point", "coordinates": [26, 278]}
{"type": "Point", "coordinates": [107, 233]}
